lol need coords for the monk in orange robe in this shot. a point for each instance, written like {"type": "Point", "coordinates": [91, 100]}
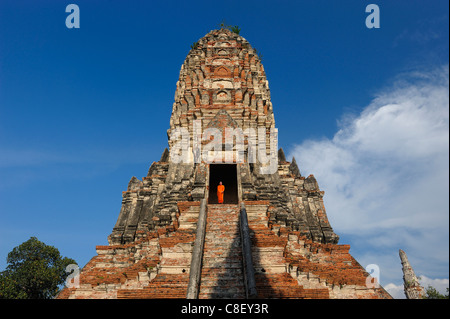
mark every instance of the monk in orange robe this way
{"type": "Point", "coordinates": [220, 191]}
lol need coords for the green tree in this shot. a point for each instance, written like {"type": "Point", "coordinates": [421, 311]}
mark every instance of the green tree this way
{"type": "Point", "coordinates": [432, 293]}
{"type": "Point", "coordinates": [34, 271]}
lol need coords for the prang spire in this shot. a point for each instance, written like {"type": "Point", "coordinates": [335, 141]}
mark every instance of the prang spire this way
{"type": "Point", "coordinates": [413, 289]}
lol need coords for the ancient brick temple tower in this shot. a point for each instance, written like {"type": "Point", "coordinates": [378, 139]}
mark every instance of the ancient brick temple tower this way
{"type": "Point", "coordinates": [269, 239]}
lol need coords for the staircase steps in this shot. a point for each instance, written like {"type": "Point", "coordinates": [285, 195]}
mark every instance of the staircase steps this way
{"type": "Point", "coordinates": [222, 275]}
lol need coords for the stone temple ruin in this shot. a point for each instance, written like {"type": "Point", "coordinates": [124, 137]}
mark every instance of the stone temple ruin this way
{"type": "Point", "coordinates": [269, 239]}
{"type": "Point", "coordinates": [411, 284]}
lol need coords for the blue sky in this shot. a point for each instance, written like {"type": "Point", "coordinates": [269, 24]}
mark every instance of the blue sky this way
{"type": "Point", "coordinates": [84, 110]}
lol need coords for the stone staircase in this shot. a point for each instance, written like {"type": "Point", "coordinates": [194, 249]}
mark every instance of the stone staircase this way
{"type": "Point", "coordinates": [222, 275]}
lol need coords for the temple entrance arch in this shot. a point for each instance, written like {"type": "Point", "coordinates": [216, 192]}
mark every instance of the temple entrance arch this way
{"type": "Point", "coordinates": [227, 174]}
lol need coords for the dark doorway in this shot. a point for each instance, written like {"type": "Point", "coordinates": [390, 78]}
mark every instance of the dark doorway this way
{"type": "Point", "coordinates": [225, 173]}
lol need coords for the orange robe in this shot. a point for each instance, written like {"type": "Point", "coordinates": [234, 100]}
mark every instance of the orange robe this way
{"type": "Point", "coordinates": [220, 190]}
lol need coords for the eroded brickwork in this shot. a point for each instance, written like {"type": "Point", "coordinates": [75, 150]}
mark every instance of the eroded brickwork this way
{"type": "Point", "coordinates": [155, 266]}
{"type": "Point", "coordinates": [321, 270]}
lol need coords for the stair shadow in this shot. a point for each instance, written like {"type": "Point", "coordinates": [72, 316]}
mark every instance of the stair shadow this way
{"type": "Point", "coordinates": [230, 284]}
{"type": "Point", "coordinates": [230, 281]}
{"type": "Point", "coordinates": [264, 288]}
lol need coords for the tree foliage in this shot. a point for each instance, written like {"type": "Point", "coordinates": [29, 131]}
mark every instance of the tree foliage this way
{"type": "Point", "coordinates": [235, 29]}
{"type": "Point", "coordinates": [432, 293]}
{"type": "Point", "coordinates": [34, 271]}
{"type": "Point", "coordinates": [224, 25]}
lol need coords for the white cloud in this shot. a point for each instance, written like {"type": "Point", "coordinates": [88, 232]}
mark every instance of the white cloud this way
{"type": "Point", "coordinates": [441, 285]}
{"type": "Point", "coordinates": [385, 174]}
{"type": "Point", "coordinates": [396, 291]}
